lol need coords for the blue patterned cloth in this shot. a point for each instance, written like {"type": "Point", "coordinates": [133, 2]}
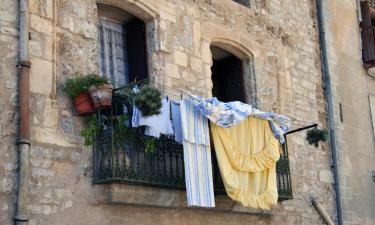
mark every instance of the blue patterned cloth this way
{"type": "Point", "coordinates": [227, 114]}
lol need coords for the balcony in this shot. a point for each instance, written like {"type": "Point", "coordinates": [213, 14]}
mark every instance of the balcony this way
{"type": "Point", "coordinates": [116, 161]}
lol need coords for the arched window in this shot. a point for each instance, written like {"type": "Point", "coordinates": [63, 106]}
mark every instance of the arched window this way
{"type": "Point", "coordinates": [122, 46]}
{"type": "Point", "coordinates": [227, 76]}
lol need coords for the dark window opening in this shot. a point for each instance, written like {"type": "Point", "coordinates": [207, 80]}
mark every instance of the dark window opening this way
{"type": "Point", "coordinates": [368, 34]}
{"type": "Point", "coordinates": [243, 2]}
{"type": "Point", "coordinates": [227, 76]}
{"type": "Point", "coordinates": [122, 46]}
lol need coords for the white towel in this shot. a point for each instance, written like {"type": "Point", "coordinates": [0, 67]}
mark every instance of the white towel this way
{"type": "Point", "coordinates": [157, 124]}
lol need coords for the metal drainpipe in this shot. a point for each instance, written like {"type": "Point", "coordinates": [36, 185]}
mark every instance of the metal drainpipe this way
{"type": "Point", "coordinates": [321, 211]}
{"type": "Point", "coordinates": [331, 122]}
{"type": "Point", "coordinates": [21, 217]}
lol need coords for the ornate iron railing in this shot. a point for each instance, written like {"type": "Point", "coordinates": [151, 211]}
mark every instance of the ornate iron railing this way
{"type": "Point", "coordinates": [119, 162]}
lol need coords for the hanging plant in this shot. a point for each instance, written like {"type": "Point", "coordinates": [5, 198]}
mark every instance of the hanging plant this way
{"type": "Point", "coordinates": [78, 88]}
{"type": "Point", "coordinates": [315, 135]}
{"type": "Point", "coordinates": [148, 100]}
{"type": "Point", "coordinates": [80, 84]}
{"type": "Point", "coordinates": [91, 131]}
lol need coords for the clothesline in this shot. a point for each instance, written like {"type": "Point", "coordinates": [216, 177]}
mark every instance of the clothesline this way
{"type": "Point", "coordinates": [254, 144]}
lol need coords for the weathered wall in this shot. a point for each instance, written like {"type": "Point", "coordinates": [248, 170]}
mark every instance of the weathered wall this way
{"type": "Point", "coordinates": [352, 86]}
{"type": "Point", "coordinates": [280, 38]}
{"type": "Point", "coordinates": [8, 103]}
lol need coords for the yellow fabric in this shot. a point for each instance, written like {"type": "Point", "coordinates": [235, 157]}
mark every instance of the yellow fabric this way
{"type": "Point", "coordinates": [247, 154]}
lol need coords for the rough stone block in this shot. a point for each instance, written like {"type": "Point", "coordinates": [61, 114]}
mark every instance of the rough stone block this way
{"type": "Point", "coordinates": [8, 11]}
{"type": "Point", "coordinates": [196, 64]}
{"type": "Point", "coordinates": [7, 185]}
{"type": "Point", "coordinates": [189, 76]}
{"type": "Point", "coordinates": [51, 114]}
{"type": "Point", "coordinates": [41, 76]}
{"type": "Point", "coordinates": [197, 35]}
{"type": "Point", "coordinates": [51, 136]}
{"type": "Point", "coordinates": [40, 24]}
{"type": "Point", "coordinates": [171, 70]}
{"type": "Point", "coordinates": [326, 176]}
{"type": "Point", "coordinates": [180, 58]}
{"type": "Point", "coordinates": [41, 172]}
{"type": "Point", "coordinates": [206, 52]}
{"type": "Point", "coordinates": [41, 152]}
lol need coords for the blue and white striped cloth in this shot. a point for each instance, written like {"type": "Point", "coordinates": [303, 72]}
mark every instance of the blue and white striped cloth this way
{"type": "Point", "coordinates": [197, 156]}
{"type": "Point", "coordinates": [227, 114]}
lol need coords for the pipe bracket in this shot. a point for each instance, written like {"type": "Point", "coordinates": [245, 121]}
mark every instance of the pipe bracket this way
{"type": "Point", "coordinates": [21, 218]}
{"type": "Point", "coordinates": [23, 141]}
{"type": "Point", "coordinates": [26, 64]}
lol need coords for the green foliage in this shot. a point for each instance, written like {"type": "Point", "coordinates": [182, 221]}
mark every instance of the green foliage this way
{"type": "Point", "coordinates": [91, 131]}
{"type": "Point", "coordinates": [148, 100]}
{"type": "Point", "coordinates": [80, 84]}
{"type": "Point", "coordinates": [132, 136]}
{"type": "Point", "coordinates": [149, 144]}
{"type": "Point", "coordinates": [315, 135]}
{"type": "Point", "coordinates": [123, 135]}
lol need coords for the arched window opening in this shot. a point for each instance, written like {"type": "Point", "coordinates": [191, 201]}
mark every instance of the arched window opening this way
{"type": "Point", "coordinates": [122, 46]}
{"type": "Point", "coordinates": [227, 76]}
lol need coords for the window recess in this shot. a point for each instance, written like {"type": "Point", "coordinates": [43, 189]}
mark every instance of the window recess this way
{"type": "Point", "coordinates": [367, 32]}
{"type": "Point", "coordinates": [243, 2]}
{"type": "Point", "coordinates": [122, 46]}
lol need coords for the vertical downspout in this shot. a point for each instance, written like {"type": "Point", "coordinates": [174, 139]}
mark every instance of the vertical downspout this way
{"type": "Point", "coordinates": [331, 122]}
{"type": "Point", "coordinates": [21, 217]}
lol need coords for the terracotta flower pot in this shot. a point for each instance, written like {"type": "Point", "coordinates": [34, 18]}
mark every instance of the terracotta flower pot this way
{"type": "Point", "coordinates": [101, 96]}
{"type": "Point", "coordinates": [83, 104]}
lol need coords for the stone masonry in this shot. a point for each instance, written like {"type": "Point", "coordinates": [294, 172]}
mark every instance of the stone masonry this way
{"type": "Point", "coordinates": [278, 39]}
{"type": "Point", "coordinates": [352, 86]}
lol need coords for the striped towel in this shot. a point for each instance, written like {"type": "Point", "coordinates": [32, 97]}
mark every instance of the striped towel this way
{"type": "Point", "coordinates": [197, 156]}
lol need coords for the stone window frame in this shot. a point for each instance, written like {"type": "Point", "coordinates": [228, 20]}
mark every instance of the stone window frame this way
{"type": "Point", "coordinates": [150, 17]}
{"type": "Point", "coordinates": [248, 67]}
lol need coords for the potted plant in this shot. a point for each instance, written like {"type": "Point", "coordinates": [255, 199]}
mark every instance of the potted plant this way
{"type": "Point", "coordinates": [101, 95]}
{"type": "Point", "coordinates": [78, 87]}
{"type": "Point", "coordinates": [316, 135]}
{"type": "Point", "coordinates": [148, 100]}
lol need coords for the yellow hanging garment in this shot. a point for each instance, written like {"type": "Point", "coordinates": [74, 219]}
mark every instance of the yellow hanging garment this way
{"type": "Point", "coordinates": [247, 154]}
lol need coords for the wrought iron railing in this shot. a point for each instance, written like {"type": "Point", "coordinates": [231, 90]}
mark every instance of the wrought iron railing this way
{"type": "Point", "coordinates": [118, 162]}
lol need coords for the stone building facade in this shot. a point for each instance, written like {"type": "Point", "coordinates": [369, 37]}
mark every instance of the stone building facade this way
{"type": "Point", "coordinates": [353, 89]}
{"type": "Point", "coordinates": [276, 40]}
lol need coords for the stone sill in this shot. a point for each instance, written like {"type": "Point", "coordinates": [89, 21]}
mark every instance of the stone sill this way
{"type": "Point", "coordinates": [122, 194]}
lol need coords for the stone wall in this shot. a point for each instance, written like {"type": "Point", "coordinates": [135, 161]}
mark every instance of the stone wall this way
{"type": "Point", "coordinates": [278, 40]}
{"type": "Point", "coordinates": [8, 107]}
{"type": "Point", "coordinates": [352, 85]}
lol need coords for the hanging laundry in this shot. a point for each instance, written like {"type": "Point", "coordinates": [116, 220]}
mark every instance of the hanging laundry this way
{"type": "Point", "coordinates": [176, 121]}
{"type": "Point", "coordinates": [231, 113]}
{"type": "Point", "coordinates": [135, 117]}
{"type": "Point", "coordinates": [156, 124]}
{"type": "Point", "coordinates": [247, 154]}
{"type": "Point", "coordinates": [197, 156]}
